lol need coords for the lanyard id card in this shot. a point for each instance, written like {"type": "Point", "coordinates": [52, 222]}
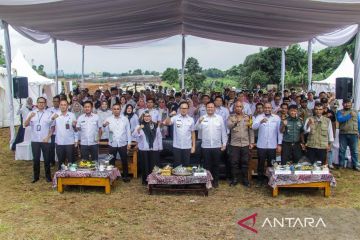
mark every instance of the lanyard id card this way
{"type": "Point", "coordinates": [38, 128]}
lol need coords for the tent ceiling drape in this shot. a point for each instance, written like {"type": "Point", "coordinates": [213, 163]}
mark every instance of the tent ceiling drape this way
{"type": "Point", "coordinates": [275, 23]}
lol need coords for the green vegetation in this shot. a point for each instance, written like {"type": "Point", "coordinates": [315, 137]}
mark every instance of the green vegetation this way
{"type": "Point", "coordinates": [2, 57]}
{"type": "Point", "coordinates": [259, 68]}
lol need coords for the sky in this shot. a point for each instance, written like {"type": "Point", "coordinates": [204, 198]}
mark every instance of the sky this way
{"type": "Point", "coordinates": [156, 56]}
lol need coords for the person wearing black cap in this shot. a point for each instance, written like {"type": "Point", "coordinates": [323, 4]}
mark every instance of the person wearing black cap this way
{"type": "Point", "coordinates": [349, 120]}
{"type": "Point", "coordinates": [292, 129]}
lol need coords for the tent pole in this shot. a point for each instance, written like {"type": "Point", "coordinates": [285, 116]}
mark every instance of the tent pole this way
{"type": "Point", "coordinates": [56, 66]}
{"type": "Point", "coordinates": [183, 62]}
{"type": "Point", "coordinates": [82, 66]}
{"type": "Point", "coordinates": [309, 65]}
{"type": "Point", "coordinates": [8, 84]}
{"type": "Point", "coordinates": [357, 72]}
{"type": "Point", "coordinates": [282, 70]}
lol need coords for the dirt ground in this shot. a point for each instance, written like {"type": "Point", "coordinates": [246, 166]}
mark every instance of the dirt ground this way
{"type": "Point", "coordinates": [36, 211]}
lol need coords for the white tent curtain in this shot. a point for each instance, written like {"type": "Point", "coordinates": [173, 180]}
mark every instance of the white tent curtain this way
{"type": "Point", "coordinates": [56, 66]}
{"type": "Point", "coordinates": [338, 37]}
{"type": "Point", "coordinates": [309, 64]}
{"type": "Point", "coordinates": [9, 78]}
{"type": "Point", "coordinates": [282, 70]}
{"type": "Point", "coordinates": [82, 65]}
{"type": "Point", "coordinates": [33, 34]}
{"type": "Point", "coordinates": [356, 73]}
{"type": "Point", "coordinates": [183, 62]}
{"type": "Point", "coordinates": [275, 23]}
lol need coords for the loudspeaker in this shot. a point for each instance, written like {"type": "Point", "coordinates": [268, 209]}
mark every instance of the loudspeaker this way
{"type": "Point", "coordinates": [20, 87]}
{"type": "Point", "coordinates": [344, 88]}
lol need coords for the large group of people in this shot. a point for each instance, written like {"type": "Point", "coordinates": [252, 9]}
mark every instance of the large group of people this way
{"type": "Point", "coordinates": [295, 125]}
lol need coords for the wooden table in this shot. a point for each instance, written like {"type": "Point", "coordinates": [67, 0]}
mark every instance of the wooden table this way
{"type": "Point", "coordinates": [322, 181]}
{"type": "Point", "coordinates": [83, 181]}
{"type": "Point", "coordinates": [85, 178]}
{"type": "Point", "coordinates": [173, 183]}
{"type": "Point", "coordinates": [322, 185]}
{"type": "Point", "coordinates": [199, 187]}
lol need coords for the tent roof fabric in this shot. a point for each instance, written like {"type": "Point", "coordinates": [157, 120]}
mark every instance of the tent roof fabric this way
{"type": "Point", "coordinates": [23, 68]}
{"type": "Point", "coordinates": [275, 23]}
{"type": "Point", "coordinates": [345, 69]}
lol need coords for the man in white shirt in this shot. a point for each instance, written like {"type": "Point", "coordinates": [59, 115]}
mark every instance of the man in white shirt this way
{"type": "Point", "coordinates": [269, 139]}
{"type": "Point", "coordinates": [276, 103]}
{"type": "Point", "coordinates": [184, 135]}
{"type": "Point", "coordinates": [40, 122]}
{"type": "Point", "coordinates": [119, 138]}
{"type": "Point", "coordinates": [214, 139]}
{"type": "Point", "coordinates": [311, 101]}
{"type": "Point", "coordinates": [89, 127]}
{"type": "Point", "coordinates": [222, 111]}
{"type": "Point", "coordinates": [54, 109]}
{"type": "Point", "coordinates": [66, 137]}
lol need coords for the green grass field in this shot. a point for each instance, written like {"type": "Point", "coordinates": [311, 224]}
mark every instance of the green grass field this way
{"type": "Point", "coordinates": [36, 211]}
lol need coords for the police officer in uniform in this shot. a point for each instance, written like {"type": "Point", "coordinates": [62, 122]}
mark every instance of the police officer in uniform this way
{"type": "Point", "coordinates": [242, 139]}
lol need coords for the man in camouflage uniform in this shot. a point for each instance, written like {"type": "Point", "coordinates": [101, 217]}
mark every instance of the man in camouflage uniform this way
{"type": "Point", "coordinates": [292, 129]}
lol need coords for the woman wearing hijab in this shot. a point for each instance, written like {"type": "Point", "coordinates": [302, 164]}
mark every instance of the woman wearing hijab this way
{"type": "Point", "coordinates": [22, 133]}
{"type": "Point", "coordinates": [149, 140]}
{"type": "Point", "coordinates": [104, 112]}
{"type": "Point", "coordinates": [76, 109]}
{"type": "Point", "coordinates": [132, 117]}
{"type": "Point", "coordinates": [123, 103]}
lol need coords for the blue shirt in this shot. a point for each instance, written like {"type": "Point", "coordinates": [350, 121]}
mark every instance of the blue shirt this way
{"type": "Point", "coordinates": [344, 118]}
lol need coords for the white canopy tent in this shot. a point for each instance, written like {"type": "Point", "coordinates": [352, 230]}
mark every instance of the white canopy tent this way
{"type": "Point", "coordinates": [36, 85]}
{"type": "Point", "coordinates": [119, 23]}
{"type": "Point", "coordinates": [345, 69]}
{"type": "Point", "coordinates": [4, 106]}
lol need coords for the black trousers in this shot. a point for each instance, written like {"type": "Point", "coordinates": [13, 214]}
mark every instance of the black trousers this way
{"type": "Point", "coordinates": [124, 159]}
{"type": "Point", "coordinates": [212, 158]}
{"type": "Point", "coordinates": [265, 154]}
{"type": "Point", "coordinates": [52, 150]}
{"type": "Point", "coordinates": [181, 156]}
{"type": "Point", "coordinates": [37, 148]}
{"type": "Point", "coordinates": [291, 152]}
{"type": "Point", "coordinates": [148, 160]}
{"type": "Point", "coordinates": [65, 152]}
{"type": "Point", "coordinates": [89, 150]}
{"type": "Point", "coordinates": [240, 163]}
{"type": "Point", "coordinates": [315, 154]}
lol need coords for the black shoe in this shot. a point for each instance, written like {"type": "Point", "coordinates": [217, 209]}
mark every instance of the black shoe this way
{"type": "Point", "coordinates": [144, 183]}
{"type": "Point", "coordinates": [356, 169]}
{"type": "Point", "coordinates": [259, 184]}
{"type": "Point", "coordinates": [126, 179]}
{"type": "Point", "coordinates": [215, 184]}
{"type": "Point", "coordinates": [48, 180]}
{"type": "Point", "coordinates": [233, 183]}
{"type": "Point", "coordinates": [246, 184]}
{"type": "Point", "coordinates": [34, 181]}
